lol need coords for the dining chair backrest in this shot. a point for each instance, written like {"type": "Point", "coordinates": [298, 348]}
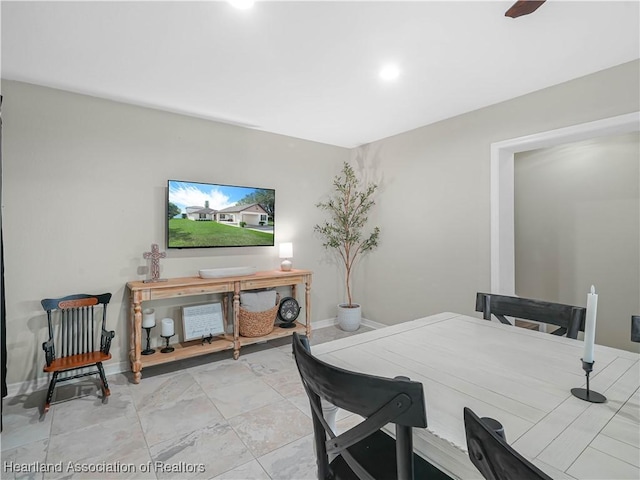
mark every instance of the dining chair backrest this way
{"type": "Point", "coordinates": [379, 400]}
{"type": "Point", "coordinates": [569, 318]}
{"type": "Point", "coordinates": [494, 458]}
{"type": "Point", "coordinates": [635, 328]}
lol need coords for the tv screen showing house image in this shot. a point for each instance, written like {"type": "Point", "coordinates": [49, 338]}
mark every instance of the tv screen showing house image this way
{"type": "Point", "coordinates": [205, 215]}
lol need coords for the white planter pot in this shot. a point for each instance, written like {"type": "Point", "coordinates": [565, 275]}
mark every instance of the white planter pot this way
{"type": "Point", "coordinates": [349, 317]}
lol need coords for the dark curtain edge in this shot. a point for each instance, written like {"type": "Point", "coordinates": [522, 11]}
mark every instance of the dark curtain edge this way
{"type": "Point", "coordinates": [3, 311]}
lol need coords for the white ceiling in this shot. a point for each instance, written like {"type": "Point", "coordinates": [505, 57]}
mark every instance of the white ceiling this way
{"type": "Point", "coordinates": [309, 69]}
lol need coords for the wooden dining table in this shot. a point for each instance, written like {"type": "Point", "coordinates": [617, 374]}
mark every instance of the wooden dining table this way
{"type": "Point", "coordinates": [520, 377]}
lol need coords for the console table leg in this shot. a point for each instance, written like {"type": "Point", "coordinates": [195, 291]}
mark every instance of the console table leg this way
{"type": "Point", "coordinates": [307, 306]}
{"type": "Point", "coordinates": [136, 327]}
{"type": "Point", "coordinates": [236, 320]}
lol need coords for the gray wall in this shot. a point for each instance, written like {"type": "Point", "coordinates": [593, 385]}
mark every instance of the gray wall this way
{"type": "Point", "coordinates": [84, 196]}
{"type": "Point", "coordinates": [70, 157]}
{"type": "Point", "coordinates": [434, 211]}
{"type": "Point", "coordinates": [577, 223]}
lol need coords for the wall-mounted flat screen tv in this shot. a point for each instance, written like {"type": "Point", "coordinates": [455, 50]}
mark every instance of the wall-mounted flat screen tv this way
{"type": "Point", "coordinates": [205, 215]}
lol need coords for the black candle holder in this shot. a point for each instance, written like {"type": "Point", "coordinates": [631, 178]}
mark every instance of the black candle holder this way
{"type": "Point", "coordinates": [148, 350]}
{"type": "Point", "coordinates": [167, 349]}
{"type": "Point", "coordinates": [584, 393]}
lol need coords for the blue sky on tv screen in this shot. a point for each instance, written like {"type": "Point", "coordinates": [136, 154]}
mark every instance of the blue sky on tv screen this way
{"type": "Point", "coordinates": [190, 194]}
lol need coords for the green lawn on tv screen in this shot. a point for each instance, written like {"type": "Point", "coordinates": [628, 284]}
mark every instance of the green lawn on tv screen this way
{"type": "Point", "coordinates": [189, 233]}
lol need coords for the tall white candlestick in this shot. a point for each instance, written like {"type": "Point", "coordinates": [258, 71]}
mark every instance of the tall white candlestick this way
{"type": "Point", "coordinates": [148, 318]}
{"type": "Point", "coordinates": [590, 325]}
{"type": "Point", "coordinates": [167, 327]}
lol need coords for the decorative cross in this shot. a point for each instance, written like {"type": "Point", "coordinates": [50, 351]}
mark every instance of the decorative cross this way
{"type": "Point", "coordinates": [155, 255]}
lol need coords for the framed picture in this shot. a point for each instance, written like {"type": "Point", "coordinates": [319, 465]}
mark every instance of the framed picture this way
{"type": "Point", "coordinates": [202, 320]}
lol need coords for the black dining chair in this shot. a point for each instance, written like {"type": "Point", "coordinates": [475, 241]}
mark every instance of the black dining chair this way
{"type": "Point", "coordinates": [569, 318]}
{"type": "Point", "coordinates": [635, 328]}
{"type": "Point", "coordinates": [364, 451]}
{"type": "Point", "coordinates": [489, 451]}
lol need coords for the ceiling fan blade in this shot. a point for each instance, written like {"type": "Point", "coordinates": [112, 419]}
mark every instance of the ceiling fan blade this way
{"type": "Point", "coordinates": [523, 7]}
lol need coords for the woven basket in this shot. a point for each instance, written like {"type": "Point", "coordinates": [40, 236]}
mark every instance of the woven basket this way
{"type": "Point", "coordinates": [257, 324]}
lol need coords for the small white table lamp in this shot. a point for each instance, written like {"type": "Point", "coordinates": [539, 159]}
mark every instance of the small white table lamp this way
{"type": "Point", "coordinates": [286, 252]}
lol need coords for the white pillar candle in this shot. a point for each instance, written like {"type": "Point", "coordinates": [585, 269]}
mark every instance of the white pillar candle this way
{"type": "Point", "coordinates": [167, 327]}
{"type": "Point", "coordinates": [148, 318]}
{"type": "Point", "coordinates": [590, 325]}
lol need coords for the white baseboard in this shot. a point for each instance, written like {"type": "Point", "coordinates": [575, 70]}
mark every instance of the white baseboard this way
{"type": "Point", "coordinates": [41, 383]}
{"type": "Point", "coordinates": [329, 322]}
{"type": "Point", "coordinates": [372, 324]}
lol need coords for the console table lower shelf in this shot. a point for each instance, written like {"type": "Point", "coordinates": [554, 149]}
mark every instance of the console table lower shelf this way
{"type": "Point", "coordinates": [195, 348]}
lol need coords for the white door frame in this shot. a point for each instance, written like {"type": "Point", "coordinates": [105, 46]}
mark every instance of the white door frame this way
{"type": "Point", "coordinates": [502, 185]}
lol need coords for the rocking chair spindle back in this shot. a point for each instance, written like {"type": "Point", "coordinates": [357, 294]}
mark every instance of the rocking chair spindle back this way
{"type": "Point", "coordinates": [74, 325]}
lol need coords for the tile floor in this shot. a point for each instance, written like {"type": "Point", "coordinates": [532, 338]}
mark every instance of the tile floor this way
{"type": "Point", "coordinates": [208, 418]}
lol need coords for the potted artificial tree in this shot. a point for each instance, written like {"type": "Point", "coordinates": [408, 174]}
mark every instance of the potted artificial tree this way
{"type": "Point", "coordinates": [348, 208]}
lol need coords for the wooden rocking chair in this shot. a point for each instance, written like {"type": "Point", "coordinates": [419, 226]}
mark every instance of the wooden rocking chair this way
{"type": "Point", "coordinates": [77, 338]}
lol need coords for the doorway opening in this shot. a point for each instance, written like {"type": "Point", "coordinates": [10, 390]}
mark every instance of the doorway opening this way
{"type": "Point", "coordinates": [502, 186]}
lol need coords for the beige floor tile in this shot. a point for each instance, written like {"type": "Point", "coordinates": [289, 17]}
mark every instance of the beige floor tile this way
{"type": "Point", "coordinates": [15, 461]}
{"type": "Point", "coordinates": [178, 418]}
{"type": "Point", "coordinates": [295, 460]}
{"type": "Point", "coordinates": [287, 383]}
{"type": "Point", "coordinates": [301, 402]}
{"type": "Point", "coordinates": [270, 427]}
{"type": "Point", "coordinates": [164, 391]}
{"type": "Point", "coordinates": [22, 421]}
{"type": "Point", "coordinates": [202, 453]}
{"type": "Point", "coordinates": [92, 410]}
{"type": "Point", "coordinates": [243, 397]}
{"type": "Point", "coordinates": [249, 471]}
{"type": "Point", "coordinates": [221, 374]}
{"type": "Point", "coordinates": [268, 362]}
{"type": "Point", "coordinates": [118, 445]}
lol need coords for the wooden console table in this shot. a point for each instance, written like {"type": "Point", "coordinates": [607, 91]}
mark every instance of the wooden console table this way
{"type": "Point", "coordinates": [189, 286]}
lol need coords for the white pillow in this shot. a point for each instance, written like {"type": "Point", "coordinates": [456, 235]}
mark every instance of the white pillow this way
{"type": "Point", "coordinates": [258, 301]}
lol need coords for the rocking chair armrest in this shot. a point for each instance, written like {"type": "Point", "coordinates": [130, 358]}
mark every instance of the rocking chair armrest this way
{"type": "Point", "coordinates": [105, 340]}
{"type": "Point", "coordinates": [49, 351]}
{"type": "Point", "coordinates": [109, 333]}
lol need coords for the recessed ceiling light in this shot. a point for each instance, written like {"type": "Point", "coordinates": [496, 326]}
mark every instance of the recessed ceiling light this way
{"type": "Point", "coordinates": [241, 4]}
{"type": "Point", "coordinates": [389, 72]}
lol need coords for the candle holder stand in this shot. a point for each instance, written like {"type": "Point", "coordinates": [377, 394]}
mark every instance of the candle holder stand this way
{"type": "Point", "coordinates": [584, 393]}
{"type": "Point", "coordinates": [148, 350]}
{"type": "Point", "coordinates": [167, 349]}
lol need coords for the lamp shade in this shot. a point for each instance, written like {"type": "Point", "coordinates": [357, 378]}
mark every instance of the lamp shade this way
{"type": "Point", "coordinates": [286, 250]}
